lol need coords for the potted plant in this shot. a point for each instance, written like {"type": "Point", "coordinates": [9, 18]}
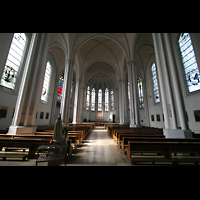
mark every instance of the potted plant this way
{"type": "Point", "coordinates": [65, 130]}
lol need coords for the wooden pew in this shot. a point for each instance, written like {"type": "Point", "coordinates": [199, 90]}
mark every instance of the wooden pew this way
{"type": "Point", "coordinates": [124, 138]}
{"type": "Point", "coordinates": [166, 148]}
{"type": "Point", "coordinates": [116, 137]}
{"type": "Point", "coordinates": [3, 131]}
{"type": "Point", "coordinates": [31, 143]}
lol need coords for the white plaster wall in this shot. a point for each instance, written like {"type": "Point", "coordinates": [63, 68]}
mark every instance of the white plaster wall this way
{"type": "Point", "coordinates": [191, 100]}
{"type": "Point", "coordinates": [8, 96]}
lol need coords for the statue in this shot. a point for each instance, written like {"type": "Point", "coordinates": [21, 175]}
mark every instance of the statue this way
{"type": "Point", "coordinates": [58, 129]}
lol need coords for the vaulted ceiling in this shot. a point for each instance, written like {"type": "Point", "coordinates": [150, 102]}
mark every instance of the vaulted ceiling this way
{"type": "Point", "coordinates": [101, 61]}
{"type": "Point", "coordinates": [100, 58]}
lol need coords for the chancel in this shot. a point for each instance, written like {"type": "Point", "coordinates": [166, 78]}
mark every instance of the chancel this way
{"type": "Point", "coordinates": [143, 83]}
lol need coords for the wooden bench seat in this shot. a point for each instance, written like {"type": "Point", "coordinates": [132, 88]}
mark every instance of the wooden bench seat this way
{"type": "Point", "coordinates": [30, 143]}
{"type": "Point", "coordinates": [12, 155]}
{"type": "Point", "coordinates": [125, 140]}
{"type": "Point", "coordinates": [166, 148]}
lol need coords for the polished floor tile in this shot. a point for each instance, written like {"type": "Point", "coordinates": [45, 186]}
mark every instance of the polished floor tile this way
{"type": "Point", "coordinates": [100, 150]}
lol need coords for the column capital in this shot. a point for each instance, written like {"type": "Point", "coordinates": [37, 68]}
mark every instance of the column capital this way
{"type": "Point", "coordinates": [78, 80]}
{"type": "Point", "coordinates": [132, 62]}
{"type": "Point", "coordinates": [69, 61]}
{"type": "Point", "coordinates": [121, 80]}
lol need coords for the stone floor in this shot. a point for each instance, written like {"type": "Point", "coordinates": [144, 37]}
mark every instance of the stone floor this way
{"type": "Point", "coordinates": [98, 149]}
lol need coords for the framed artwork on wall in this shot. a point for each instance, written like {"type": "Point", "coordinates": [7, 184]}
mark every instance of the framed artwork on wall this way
{"type": "Point", "coordinates": [47, 115]}
{"type": "Point", "coordinates": [158, 117]}
{"type": "Point", "coordinates": [197, 115]}
{"type": "Point", "coordinates": [41, 115]}
{"type": "Point", "coordinates": [3, 111]}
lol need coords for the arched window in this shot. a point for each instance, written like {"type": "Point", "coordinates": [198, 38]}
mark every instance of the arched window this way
{"type": "Point", "coordinates": [100, 100]}
{"type": "Point", "coordinates": [46, 83]}
{"type": "Point", "coordinates": [155, 84]}
{"type": "Point", "coordinates": [88, 98]}
{"type": "Point", "coordinates": [140, 92]}
{"type": "Point", "coordinates": [106, 99]}
{"type": "Point", "coordinates": [60, 87]}
{"type": "Point", "coordinates": [93, 100]}
{"type": "Point", "coordinates": [71, 92]}
{"type": "Point", "coordinates": [128, 96]}
{"type": "Point", "coordinates": [189, 62]}
{"type": "Point", "coordinates": [14, 60]}
{"type": "Point", "coordinates": [112, 100]}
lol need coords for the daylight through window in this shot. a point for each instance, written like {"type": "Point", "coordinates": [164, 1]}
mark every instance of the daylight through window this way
{"type": "Point", "coordinates": [189, 62]}
{"type": "Point", "coordinates": [13, 61]}
{"type": "Point", "coordinates": [155, 84]}
{"type": "Point", "coordinates": [46, 83]}
{"type": "Point", "coordinates": [100, 100]}
{"type": "Point", "coordinates": [106, 99]}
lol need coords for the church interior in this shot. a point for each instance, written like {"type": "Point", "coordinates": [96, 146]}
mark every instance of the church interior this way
{"type": "Point", "coordinates": [127, 97]}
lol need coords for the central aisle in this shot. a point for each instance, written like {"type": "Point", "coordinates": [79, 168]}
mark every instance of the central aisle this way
{"type": "Point", "coordinates": [98, 149]}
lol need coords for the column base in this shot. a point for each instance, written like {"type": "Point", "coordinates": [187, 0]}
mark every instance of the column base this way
{"type": "Point", "coordinates": [14, 130]}
{"type": "Point", "coordinates": [177, 133]}
{"type": "Point", "coordinates": [135, 125]}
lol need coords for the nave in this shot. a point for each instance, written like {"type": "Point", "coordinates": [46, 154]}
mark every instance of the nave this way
{"type": "Point", "coordinates": [98, 149]}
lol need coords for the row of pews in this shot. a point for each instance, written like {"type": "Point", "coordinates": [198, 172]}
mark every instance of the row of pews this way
{"type": "Point", "coordinates": [147, 145]}
{"type": "Point", "coordinates": [15, 146]}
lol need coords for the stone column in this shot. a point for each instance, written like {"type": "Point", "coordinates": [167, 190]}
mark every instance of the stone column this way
{"type": "Point", "coordinates": [184, 132]}
{"type": "Point", "coordinates": [40, 78]}
{"type": "Point", "coordinates": [167, 84]}
{"type": "Point", "coordinates": [77, 96]}
{"type": "Point", "coordinates": [121, 108]}
{"type": "Point", "coordinates": [130, 80]}
{"type": "Point", "coordinates": [65, 102]}
{"type": "Point", "coordinates": [136, 97]}
{"type": "Point", "coordinates": [13, 129]}
{"type": "Point", "coordinates": [116, 104]}
{"type": "Point", "coordinates": [161, 83]}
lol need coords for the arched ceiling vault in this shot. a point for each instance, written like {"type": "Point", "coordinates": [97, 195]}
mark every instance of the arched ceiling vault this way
{"type": "Point", "coordinates": [101, 60]}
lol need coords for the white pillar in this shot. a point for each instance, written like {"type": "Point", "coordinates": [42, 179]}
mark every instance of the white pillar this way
{"type": "Point", "coordinates": [161, 83]}
{"type": "Point", "coordinates": [116, 104]}
{"type": "Point", "coordinates": [176, 84]}
{"type": "Point", "coordinates": [130, 80]}
{"type": "Point", "coordinates": [77, 96]}
{"type": "Point", "coordinates": [121, 108]}
{"type": "Point", "coordinates": [41, 66]}
{"type": "Point", "coordinates": [81, 105]}
{"type": "Point", "coordinates": [19, 104]}
{"type": "Point", "coordinates": [17, 116]}
{"type": "Point", "coordinates": [65, 102]}
{"type": "Point", "coordinates": [167, 83]}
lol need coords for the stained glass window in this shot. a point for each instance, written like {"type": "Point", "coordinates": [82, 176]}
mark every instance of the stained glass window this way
{"type": "Point", "coordinates": [189, 62]}
{"type": "Point", "coordinates": [93, 100]}
{"type": "Point", "coordinates": [100, 100]}
{"type": "Point", "coordinates": [46, 83]}
{"type": "Point", "coordinates": [140, 91]}
{"type": "Point", "coordinates": [128, 96]}
{"type": "Point", "coordinates": [106, 99]}
{"type": "Point", "coordinates": [112, 99]}
{"type": "Point", "coordinates": [13, 60]}
{"type": "Point", "coordinates": [60, 87]}
{"type": "Point", "coordinates": [88, 98]}
{"type": "Point", "coordinates": [155, 84]}
{"type": "Point", "coordinates": [71, 92]}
